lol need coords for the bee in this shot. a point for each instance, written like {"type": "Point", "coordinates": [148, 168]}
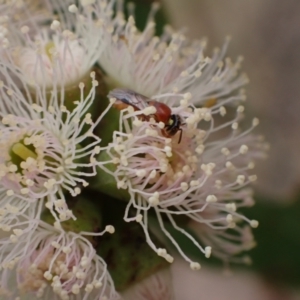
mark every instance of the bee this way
{"type": "Point", "coordinates": [127, 97]}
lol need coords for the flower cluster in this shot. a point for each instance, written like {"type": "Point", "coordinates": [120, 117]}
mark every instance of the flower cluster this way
{"type": "Point", "coordinates": [54, 54]}
{"type": "Point", "coordinates": [48, 147]}
{"type": "Point", "coordinates": [153, 65]}
{"type": "Point", "coordinates": [52, 264]}
{"type": "Point", "coordinates": [40, 145]}
{"type": "Point", "coordinates": [180, 151]}
{"type": "Point", "coordinates": [199, 177]}
{"type": "Point", "coordinates": [46, 152]}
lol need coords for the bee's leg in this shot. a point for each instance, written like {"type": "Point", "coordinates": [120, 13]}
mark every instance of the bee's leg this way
{"type": "Point", "coordinates": [154, 126]}
{"type": "Point", "coordinates": [180, 136]}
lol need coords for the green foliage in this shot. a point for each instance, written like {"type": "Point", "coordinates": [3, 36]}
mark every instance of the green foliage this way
{"type": "Point", "coordinates": [276, 255]}
{"type": "Point", "coordinates": [186, 245]}
{"type": "Point", "coordinates": [142, 8]}
{"type": "Point", "coordinates": [106, 183]}
{"type": "Point", "coordinates": [86, 210]}
{"type": "Point", "coordinates": [278, 241]}
{"type": "Point", "coordinates": [128, 256]}
{"type": "Point", "coordinates": [108, 124]}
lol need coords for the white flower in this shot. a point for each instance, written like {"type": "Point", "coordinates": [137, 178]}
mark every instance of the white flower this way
{"type": "Point", "coordinates": [46, 149]}
{"type": "Point", "coordinates": [51, 264]}
{"type": "Point", "coordinates": [227, 245]}
{"type": "Point", "coordinates": [62, 53]}
{"type": "Point", "coordinates": [153, 65]}
{"type": "Point", "coordinates": [23, 11]}
{"type": "Point", "coordinates": [158, 286]}
{"type": "Point", "coordinates": [206, 172]}
{"type": "Point", "coordinates": [17, 13]}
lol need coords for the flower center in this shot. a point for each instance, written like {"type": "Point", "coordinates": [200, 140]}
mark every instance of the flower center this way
{"type": "Point", "coordinates": [52, 61]}
{"type": "Point", "coordinates": [34, 278]}
{"type": "Point", "coordinates": [30, 157]}
{"type": "Point", "coordinates": [49, 50]}
{"type": "Point", "coordinates": [20, 153]}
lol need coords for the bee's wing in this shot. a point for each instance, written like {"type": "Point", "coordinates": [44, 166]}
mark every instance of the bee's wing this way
{"type": "Point", "coordinates": [130, 97]}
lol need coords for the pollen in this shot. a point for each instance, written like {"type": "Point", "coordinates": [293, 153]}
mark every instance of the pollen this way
{"type": "Point", "coordinates": [55, 25]}
{"type": "Point", "coordinates": [154, 199]}
{"type": "Point", "coordinates": [225, 151]}
{"type": "Point", "coordinates": [149, 110]}
{"type": "Point", "coordinates": [73, 8]}
{"type": "Point", "coordinates": [195, 266]}
{"type": "Point", "coordinates": [110, 229]}
{"type": "Point", "coordinates": [240, 179]}
{"type": "Point", "coordinates": [254, 223]}
{"type": "Point", "coordinates": [255, 122]}
{"type": "Point", "coordinates": [222, 111]}
{"type": "Point", "coordinates": [207, 251]}
{"type": "Point", "coordinates": [211, 198]}
{"type": "Point", "coordinates": [243, 149]}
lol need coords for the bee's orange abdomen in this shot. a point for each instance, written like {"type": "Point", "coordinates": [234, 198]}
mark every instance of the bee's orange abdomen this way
{"type": "Point", "coordinates": [120, 105]}
{"type": "Point", "coordinates": [163, 111]}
